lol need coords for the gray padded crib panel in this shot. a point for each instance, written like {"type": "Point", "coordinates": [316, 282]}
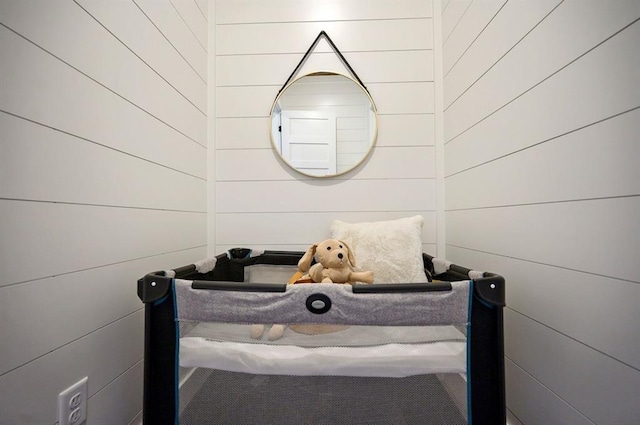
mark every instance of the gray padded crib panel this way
{"type": "Point", "coordinates": [396, 309]}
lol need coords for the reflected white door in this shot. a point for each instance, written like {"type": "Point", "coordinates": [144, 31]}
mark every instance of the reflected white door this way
{"type": "Point", "coordinates": [309, 141]}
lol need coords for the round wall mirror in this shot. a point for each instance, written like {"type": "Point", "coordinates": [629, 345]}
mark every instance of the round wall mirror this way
{"type": "Point", "coordinates": [323, 124]}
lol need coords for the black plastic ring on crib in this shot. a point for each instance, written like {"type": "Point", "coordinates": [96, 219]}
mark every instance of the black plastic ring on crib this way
{"type": "Point", "coordinates": [318, 303]}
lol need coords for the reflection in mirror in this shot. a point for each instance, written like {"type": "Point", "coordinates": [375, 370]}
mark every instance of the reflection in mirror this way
{"type": "Point", "coordinates": [323, 124]}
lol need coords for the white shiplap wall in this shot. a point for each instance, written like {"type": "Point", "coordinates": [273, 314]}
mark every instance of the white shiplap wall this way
{"type": "Point", "coordinates": [542, 185]}
{"type": "Point", "coordinates": [259, 202]}
{"type": "Point", "coordinates": [103, 135]}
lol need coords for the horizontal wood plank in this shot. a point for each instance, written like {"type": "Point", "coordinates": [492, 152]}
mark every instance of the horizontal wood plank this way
{"type": "Point", "coordinates": [203, 5]}
{"type": "Point", "coordinates": [390, 98]}
{"type": "Point", "coordinates": [477, 16]}
{"type": "Point", "coordinates": [108, 294]}
{"type": "Point", "coordinates": [558, 298]}
{"type": "Point", "coordinates": [569, 32]}
{"type": "Point", "coordinates": [371, 67]}
{"type": "Point", "coordinates": [601, 388]}
{"type": "Point", "coordinates": [251, 11]}
{"type": "Point", "coordinates": [245, 101]}
{"type": "Point", "coordinates": [353, 195]}
{"type": "Point", "coordinates": [376, 35]}
{"type": "Point", "coordinates": [393, 130]}
{"type": "Point", "coordinates": [406, 130]}
{"type": "Point", "coordinates": [261, 229]}
{"type": "Point", "coordinates": [577, 92]}
{"type": "Point", "coordinates": [597, 161]}
{"type": "Point", "coordinates": [29, 394]}
{"type": "Point", "coordinates": [47, 165]}
{"type": "Point", "coordinates": [193, 17]}
{"type": "Point", "coordinates": [525, 395]}
{"type": "Point", "coordinates": [595, 236]}
{"type": "Point", "coordinates": [243, 133]}
{"type": "Point", "coordinates": [116, 123]}
{"type": "Point", "coordinates": [513, 22]}
{"type": "Point", "coordinates": [42, 239]}
{"type": "Point", "coordinates": [121, 400]}
{"type": "Point", "coordinates": [511, 419]}
{"type": "Point", "coordinates": [403, 98]}
{"type": "Point", "coordinates": [172, 26]}
{"type": "Point", "coordinates": [137, 420]}
{"type": "Point", "coordinates": [452, 15]}
{"type": "Point", "coordinates": [129, 24]}
{"type": "Point", "coordinates": [99, 55]}
{"type": "Point", "coordinates": [383, 162]}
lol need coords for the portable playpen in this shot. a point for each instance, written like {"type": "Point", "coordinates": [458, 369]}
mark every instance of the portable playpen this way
{"type": "Point", "coordinates": [420, 353]}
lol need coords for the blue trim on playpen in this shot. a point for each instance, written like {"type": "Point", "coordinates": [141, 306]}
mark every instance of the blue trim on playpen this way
{"type": "Point", "coordinates": [469, 416]}
{"type": "Point", "coordinates": [161, 300]}
{"type": "Point", "coordinates": [177, 353]}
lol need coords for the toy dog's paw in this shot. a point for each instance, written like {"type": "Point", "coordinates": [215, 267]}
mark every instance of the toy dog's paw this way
{"type": "Point", "coordinates": [363, 277]}
{"type": "Point", "coordinates": [257, 331]}
{"type": "Point", "coordinates": [368, 275]}
{"type": "Point", "coordinates": [275, 332]}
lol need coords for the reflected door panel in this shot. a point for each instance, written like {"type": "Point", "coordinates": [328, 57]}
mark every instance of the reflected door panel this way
{"type": "Point", "coordinates": [309, 141]}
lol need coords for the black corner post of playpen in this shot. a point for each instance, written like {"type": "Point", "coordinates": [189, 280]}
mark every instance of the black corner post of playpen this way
{"type": "Point", "coordinates": [486, 366]}
{"type": "Point", "coordinates": [160, 345]}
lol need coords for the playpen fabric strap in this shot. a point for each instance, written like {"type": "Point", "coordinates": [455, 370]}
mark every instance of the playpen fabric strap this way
{"type": "Point", "coordinates": [347, 308]}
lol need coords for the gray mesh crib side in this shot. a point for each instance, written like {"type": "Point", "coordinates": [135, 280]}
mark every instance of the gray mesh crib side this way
{"type": "Point", "coordinates": [227, 281]}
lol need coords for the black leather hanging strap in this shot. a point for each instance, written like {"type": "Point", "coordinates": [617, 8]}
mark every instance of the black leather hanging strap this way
{"type": "Point", "coordinates": [335, 49]}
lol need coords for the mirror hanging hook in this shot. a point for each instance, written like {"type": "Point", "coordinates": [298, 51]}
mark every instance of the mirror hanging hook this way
{"type": "Point", "coordinates": [335, 49]}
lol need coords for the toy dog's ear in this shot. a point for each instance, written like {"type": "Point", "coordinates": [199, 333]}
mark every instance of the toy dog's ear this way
{"type": "Point", "coordinates": [351, 255]}
{"type": "Point", "coordinates": [305, 261]}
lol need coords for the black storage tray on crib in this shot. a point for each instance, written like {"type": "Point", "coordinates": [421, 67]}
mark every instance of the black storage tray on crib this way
{"type": "Point", "coordinates": [207, 395]}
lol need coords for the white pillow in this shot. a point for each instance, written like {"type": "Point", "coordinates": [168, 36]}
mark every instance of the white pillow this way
{"type": "Point", "coordinates": [391, 249]}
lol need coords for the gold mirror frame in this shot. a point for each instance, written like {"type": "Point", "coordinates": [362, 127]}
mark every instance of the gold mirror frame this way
{"type": "Point", "coordinates": [323, 124]}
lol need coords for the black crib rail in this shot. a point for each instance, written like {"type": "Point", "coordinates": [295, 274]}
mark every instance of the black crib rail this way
{"type": "Point", "coordinates": [228, 275]}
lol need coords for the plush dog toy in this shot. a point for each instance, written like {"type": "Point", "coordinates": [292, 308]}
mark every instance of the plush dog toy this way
{"type": "Point", "coordinates": [335, 264]}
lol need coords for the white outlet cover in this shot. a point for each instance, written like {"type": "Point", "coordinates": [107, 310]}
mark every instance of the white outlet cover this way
{"type": "Point", "coordinates": [79, 392]}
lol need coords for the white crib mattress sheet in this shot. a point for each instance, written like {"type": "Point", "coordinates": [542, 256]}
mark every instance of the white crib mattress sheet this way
{"type": "Point", "coordinates": [356, 351]}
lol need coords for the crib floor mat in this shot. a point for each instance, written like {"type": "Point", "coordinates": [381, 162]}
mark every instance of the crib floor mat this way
{"type": "Point", "coordinates": [232, 397]}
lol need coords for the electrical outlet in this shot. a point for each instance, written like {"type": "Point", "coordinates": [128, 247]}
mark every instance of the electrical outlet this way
{"type": "Point", "coordinates": [72, 403]}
